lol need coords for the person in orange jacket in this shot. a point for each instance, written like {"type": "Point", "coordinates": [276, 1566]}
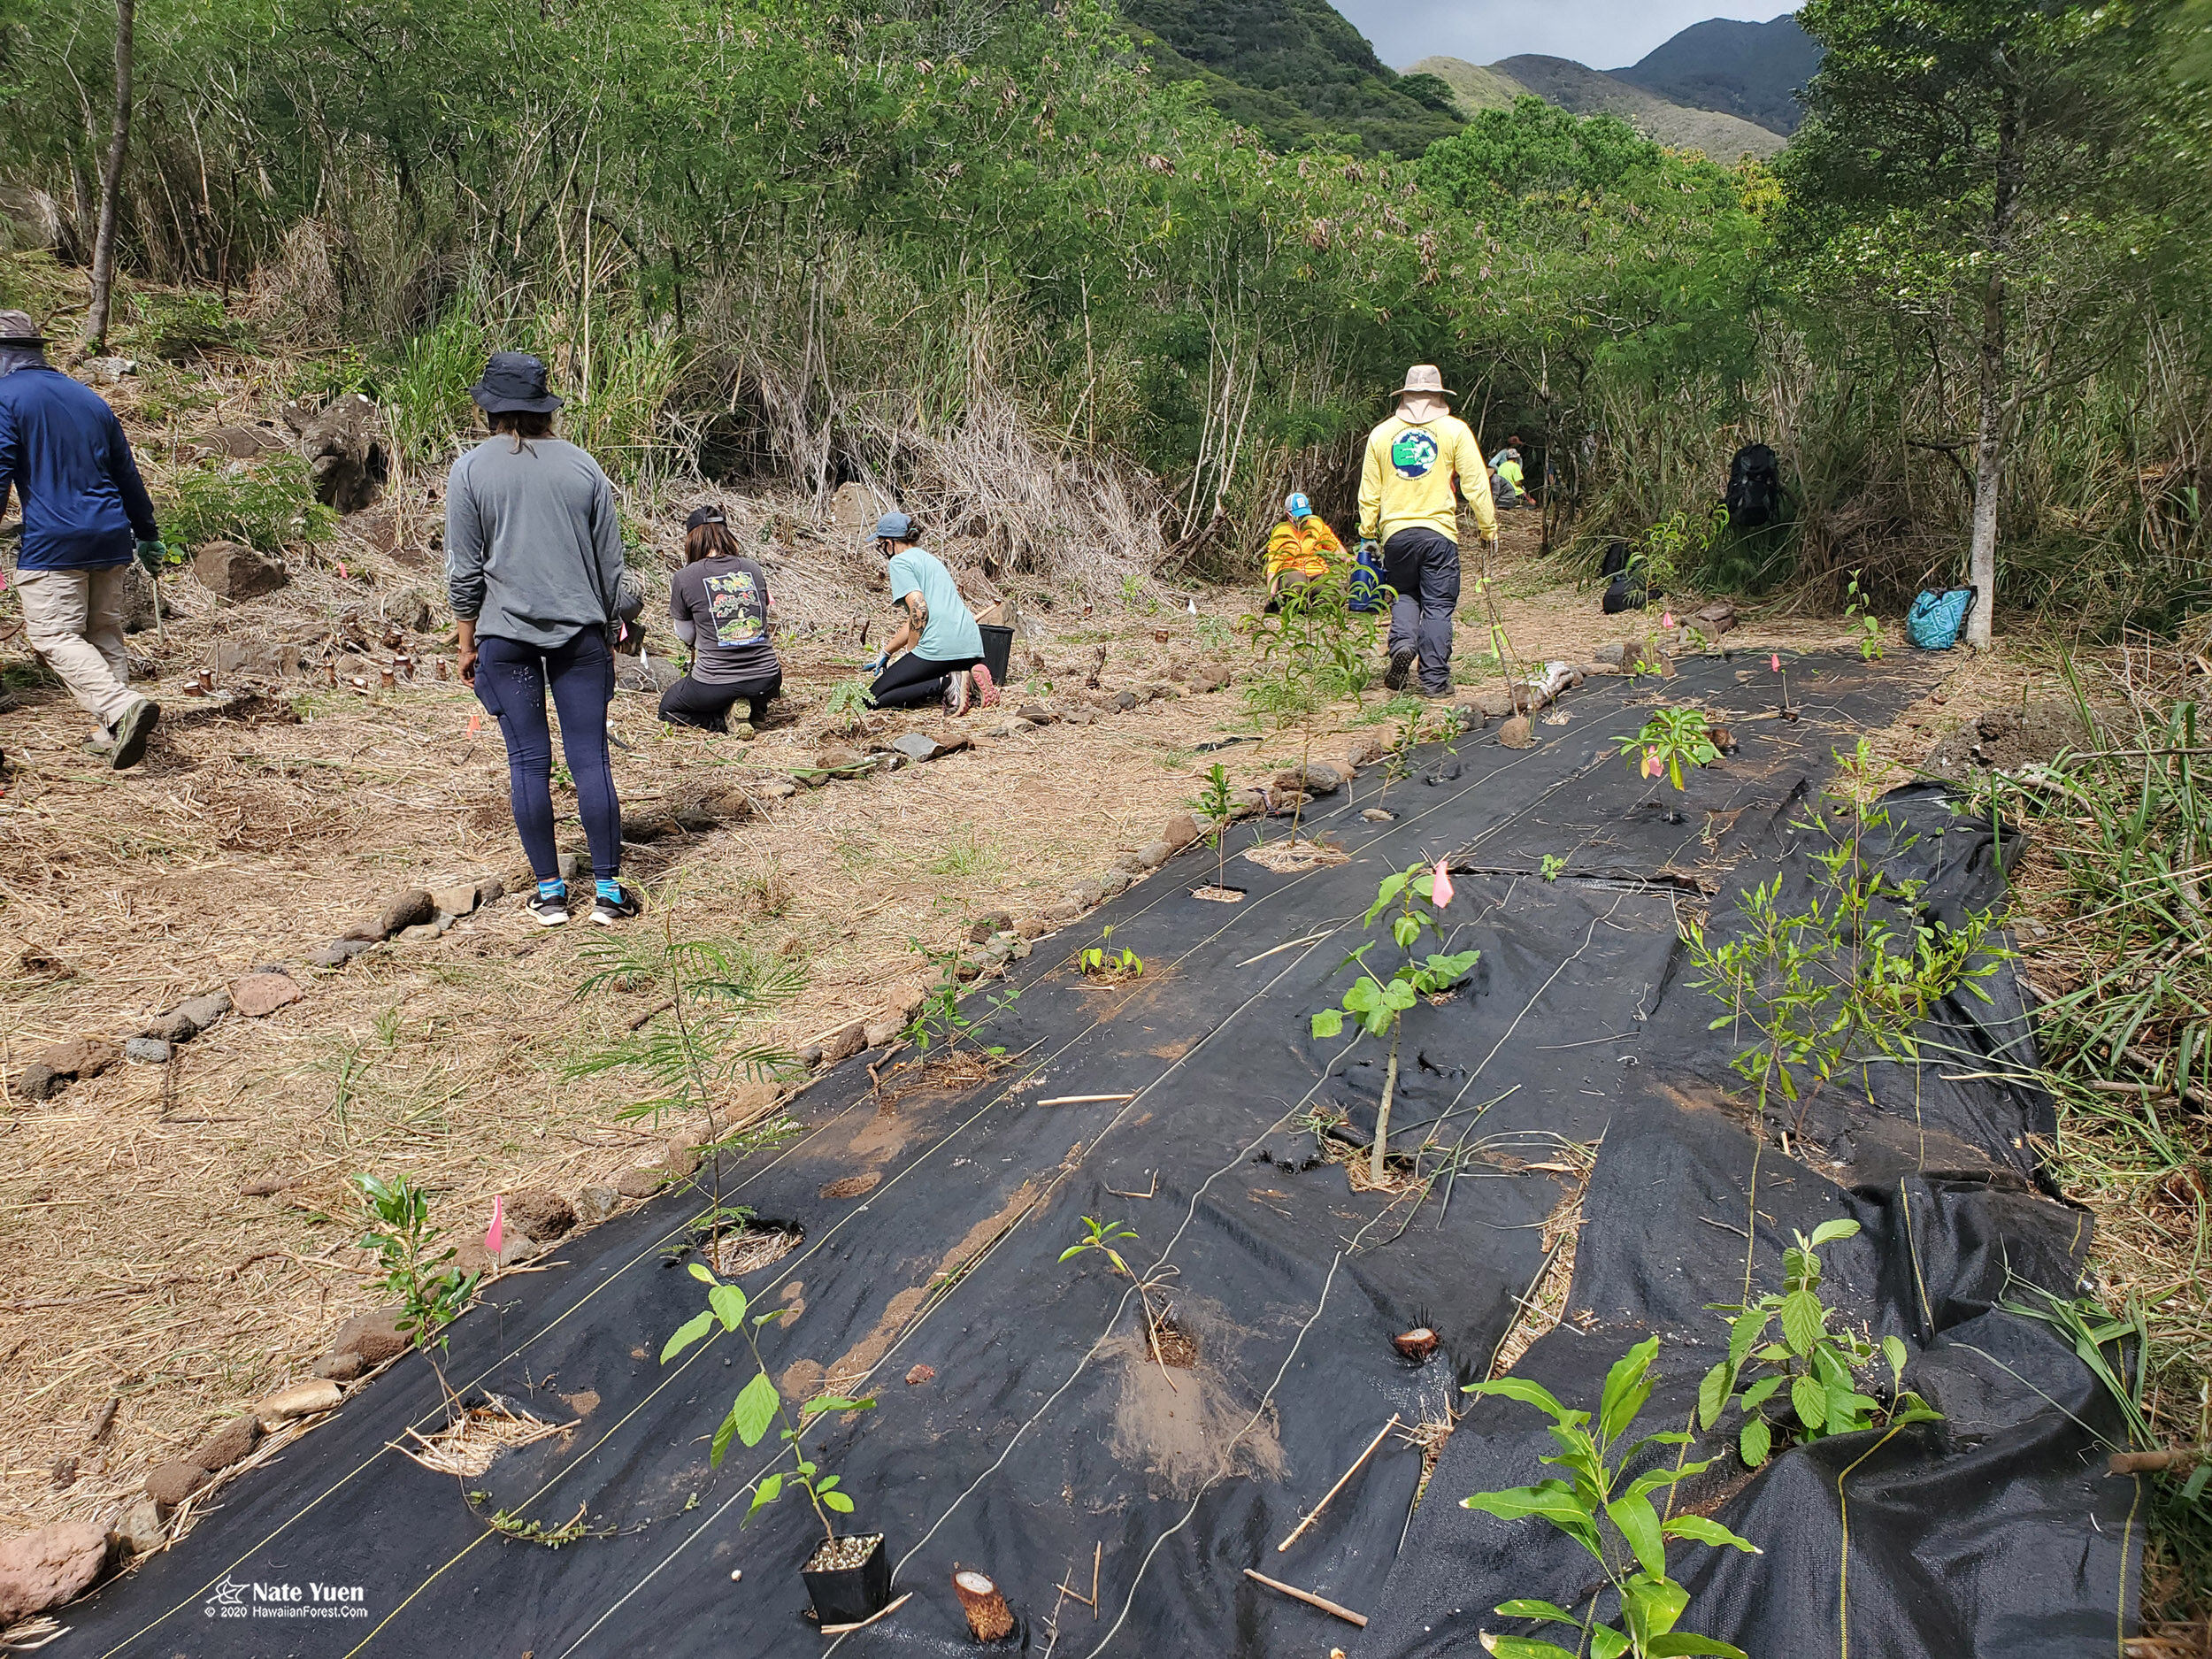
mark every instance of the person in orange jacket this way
{"type": "Point", "coordinates": [1300, 547]}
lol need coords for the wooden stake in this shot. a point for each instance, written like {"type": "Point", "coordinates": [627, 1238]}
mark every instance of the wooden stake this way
{"type": "Point", "coordinates": [1315, 1514]}
{"type": "Point", "coordinates": [989, 1618]}
{"type": "Point", "coordinates": [1078, 1100]}
{"type": "Point", "coordinates": [888, 1609]}
{"type": "Point", "coordinates": [1309, 1598]}
{"type": "Point", "coordinates": [1098, 1554]}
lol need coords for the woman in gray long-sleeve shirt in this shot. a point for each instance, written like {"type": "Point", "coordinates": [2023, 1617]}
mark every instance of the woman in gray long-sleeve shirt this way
{"type": "Point", "coordinates": [533, 565]}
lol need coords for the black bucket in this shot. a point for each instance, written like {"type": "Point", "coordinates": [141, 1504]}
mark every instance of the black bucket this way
{"type": "Point", "coordinates": [998, 650]}
{"type": "Point", "coordinates": [845, 1595]}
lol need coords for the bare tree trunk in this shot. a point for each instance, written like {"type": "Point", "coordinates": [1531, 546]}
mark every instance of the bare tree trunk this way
{"type": "Point", "coordinates": [1996, 407]}
{"type": "Point", "coordinates": [112, 185]}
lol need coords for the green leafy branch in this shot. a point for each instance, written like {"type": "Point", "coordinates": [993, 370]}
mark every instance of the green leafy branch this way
{"type": "Point", "coordinates": [1611, 1516]}
{"type": "Point", "coordinates": [1815, 1364]}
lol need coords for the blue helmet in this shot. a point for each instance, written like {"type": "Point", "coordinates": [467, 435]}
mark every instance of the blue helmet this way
{"type": "Point", "coordinates": [1298, 506]}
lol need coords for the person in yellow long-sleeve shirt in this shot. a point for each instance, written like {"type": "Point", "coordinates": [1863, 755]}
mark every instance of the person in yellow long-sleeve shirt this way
{"type": "Point", "coordinates": [1406, 503]}
{"type": "Point", "coordinates": [1300, 547]}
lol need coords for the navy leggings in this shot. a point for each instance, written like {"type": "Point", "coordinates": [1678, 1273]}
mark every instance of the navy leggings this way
{"type": "Point", "coordinates": [510, 681]}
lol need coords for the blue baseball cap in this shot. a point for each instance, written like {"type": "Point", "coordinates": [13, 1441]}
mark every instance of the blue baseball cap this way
{"type": "Point", "coordinates": [1298, 506]}
{"type": "Point", "coordinates": [894, 526]}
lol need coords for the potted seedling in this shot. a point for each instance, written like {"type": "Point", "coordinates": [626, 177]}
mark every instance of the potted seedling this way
{"type": "Point", "coordinates": [847, 1576]}
{"type": "Point", "coordinates": [1218, 807]}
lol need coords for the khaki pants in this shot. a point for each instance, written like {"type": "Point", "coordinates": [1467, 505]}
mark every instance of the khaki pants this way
{"type": "Point", "coordinates": [74, 620]}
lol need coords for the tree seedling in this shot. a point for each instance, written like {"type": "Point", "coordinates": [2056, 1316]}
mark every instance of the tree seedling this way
{"type": "Point", "coordinates": [1859, 619]}
{"type": "Point", "coordinates": [940, 1020]}
{"type": "Point", "coordinates": [697, 1044]}
{"type": "Point", "coordinates": [1552, 867]}
{"type": "Point", "coordinates": [1669, 737]}
{"type": "Point", "coordinates": [1103, 962]}
{"type": "Point", "coordinates": [1106, 1238]}
{"type": "Point", "coordinates": [416, 1269]}
{"type": "Point", "coordinates": [1218, 807]}
{"type": "Point", "coordinates": [1315, 649]}
{"type": "Point", "coordinates": [759, 1406]}
{"type": "Point", "coordinates": [1378, 1004]}
{"type": "Point", "coordinates": [1814, 1364]}
{"type": "Point", "coordinates": [1612, 1517]}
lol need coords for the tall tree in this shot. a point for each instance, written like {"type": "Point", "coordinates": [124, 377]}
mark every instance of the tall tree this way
{"type": "Point", "coordinates": [112, 184]}
{"type": "Point", "coordinates": [1978, 166]}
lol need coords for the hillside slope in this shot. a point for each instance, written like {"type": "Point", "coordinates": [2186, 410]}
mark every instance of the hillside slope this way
{"type": "Point", "coordinates": [1586, 91]}
{"type": "Point", "coordinates": [1749, 69]}
{"type": "Point", "coordinates": [1473, 87]}
{"type": "Point", "coordinates": [1293, 70]}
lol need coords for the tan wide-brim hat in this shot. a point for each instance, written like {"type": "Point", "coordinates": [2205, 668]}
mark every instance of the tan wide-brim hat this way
{"type": "Point", "coordinates": [1424, 377]}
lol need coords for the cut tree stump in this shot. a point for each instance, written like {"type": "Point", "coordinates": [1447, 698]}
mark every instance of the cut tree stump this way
{"type": "Point", "coordinates": [989, 1618]}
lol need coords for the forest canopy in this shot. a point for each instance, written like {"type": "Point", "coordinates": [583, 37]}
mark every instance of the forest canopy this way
{"type": "Point", "coordinates": [824, 241]}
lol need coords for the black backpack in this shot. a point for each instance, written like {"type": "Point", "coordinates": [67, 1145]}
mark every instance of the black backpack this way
{"type": "Point", "coordinates": [1622, 592]}
{"type": "Point", "coordinates": [1754, 488]}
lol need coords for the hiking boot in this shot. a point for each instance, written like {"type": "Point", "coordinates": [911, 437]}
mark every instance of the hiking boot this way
{"type": "Point", "coordinates": [546, 912]}
{"type": "Point", "coordinates": [956, 693]}
{"type": "Point", "coordinates": [1443, 693]}
{"type": "Point", "coordinates": [1401, 661]}
{"type": "Point", "coordinates": [986, 690]}
{"type": "Point", "coordinates": [607, 911]}
{"type": "Point", "coordinates": [131, 732]}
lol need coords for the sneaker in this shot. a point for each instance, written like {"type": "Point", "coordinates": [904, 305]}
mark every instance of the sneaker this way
{"type": "Point", "coordinates": [956, 693]}
{"type": "Point", "coordinates": [986, 692]}
{"type": "Point", "coordinates": [547, 913]}
{"type": "Point", "coordinates": [102, 743]}
{"type": "Point", "coordinates": [131, 732]}
{"type": "Point", "coordinates": [607, 911]}
{"type": "Point", "coordinates": [1401, 664]}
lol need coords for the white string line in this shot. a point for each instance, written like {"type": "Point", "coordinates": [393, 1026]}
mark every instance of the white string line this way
{"type": "Point", "coordinates": [743, 1492]}
{"type": "Point", "coordinates": [1258, 1411]}
{"type": "Point", "coordinates": [660, 1242]}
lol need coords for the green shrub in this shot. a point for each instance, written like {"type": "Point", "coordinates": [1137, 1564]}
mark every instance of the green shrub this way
{"type": "Point", "coordinates": [268, 505]}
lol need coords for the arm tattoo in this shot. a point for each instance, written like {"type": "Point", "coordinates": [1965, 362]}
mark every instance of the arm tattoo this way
{"type": "Point", "coordinates": [916, 611]}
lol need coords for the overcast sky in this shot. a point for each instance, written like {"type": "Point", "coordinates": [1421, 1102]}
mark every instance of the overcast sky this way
{"type": "Point", "coordinates": [1602, 34]}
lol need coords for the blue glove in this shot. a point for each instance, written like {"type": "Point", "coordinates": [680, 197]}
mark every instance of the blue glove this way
{"type": "Point", "coordinates": [878, 663]}
{"type": "Point", "coordinates": [152, 555]}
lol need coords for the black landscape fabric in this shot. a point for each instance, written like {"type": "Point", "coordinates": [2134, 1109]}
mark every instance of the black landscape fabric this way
{"type": "Point", "coordinates": [1024, 1426]}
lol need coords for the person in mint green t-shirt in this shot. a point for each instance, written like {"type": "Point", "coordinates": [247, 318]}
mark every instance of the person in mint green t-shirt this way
{"type": "Point", "coordinates": [938, 633]}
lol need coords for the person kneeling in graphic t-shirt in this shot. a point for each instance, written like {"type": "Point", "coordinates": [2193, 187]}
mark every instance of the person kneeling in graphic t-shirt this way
{"type": "Point", "coordinates": [719, 604]}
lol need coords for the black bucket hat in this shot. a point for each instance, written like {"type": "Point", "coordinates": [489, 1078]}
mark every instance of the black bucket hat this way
{"type": "Point", "coordinates": [513, 381]}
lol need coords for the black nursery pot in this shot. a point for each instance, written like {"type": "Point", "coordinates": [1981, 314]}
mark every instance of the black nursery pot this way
{"type": "Point", "coordinates": [845, 1595]}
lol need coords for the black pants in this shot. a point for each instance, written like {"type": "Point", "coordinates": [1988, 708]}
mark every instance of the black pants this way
{"type": "Point", "coordinates": [511, 680]}
{"type": "Point", "coordinates": [1423, 566]}
{"type": "Point", "coordinates": [915, 679]}
{"type": "Point", "coordinates": [687, 703]}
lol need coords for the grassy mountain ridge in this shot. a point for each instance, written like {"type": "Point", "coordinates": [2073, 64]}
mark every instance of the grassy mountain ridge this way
{"type": "Point", "coordinates": [1292, 70]}
{"type": "Point", "coordinates": [1751, 70]}
{"type": "Point", "coordinates": [1587, 91]}
{"type": "Point", "coordinates": [1473, 87]}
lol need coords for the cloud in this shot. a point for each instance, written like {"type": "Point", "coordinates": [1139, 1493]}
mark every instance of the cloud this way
{"type": "Point", "coordinates": [1603, 34]}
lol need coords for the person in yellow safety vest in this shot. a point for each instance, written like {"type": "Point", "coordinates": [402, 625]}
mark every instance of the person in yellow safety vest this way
{"type": "Point", "coordinates": [1406, 503]}
{"type": "Point", "coordinates": [1300, 547]}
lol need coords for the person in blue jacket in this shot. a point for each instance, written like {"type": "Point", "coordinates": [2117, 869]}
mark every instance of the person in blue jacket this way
{"type": "Point", "coordinates": [85, 516]}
